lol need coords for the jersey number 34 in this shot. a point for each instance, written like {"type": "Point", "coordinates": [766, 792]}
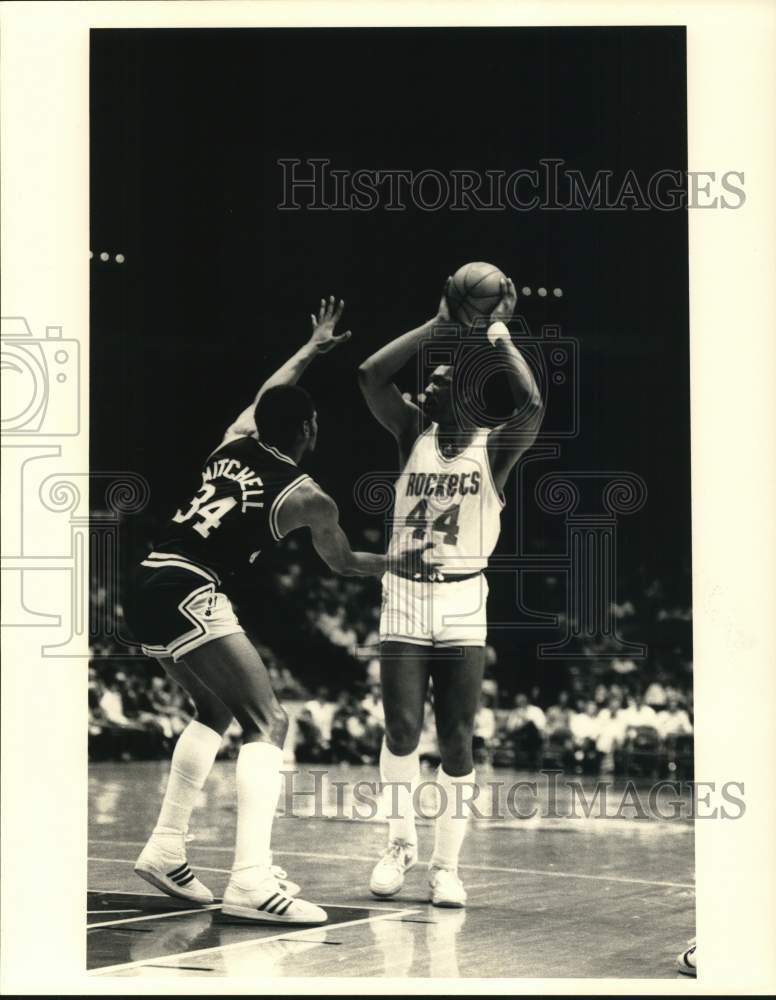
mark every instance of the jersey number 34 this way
{"type": "Point", "coordinates": [210, 513]}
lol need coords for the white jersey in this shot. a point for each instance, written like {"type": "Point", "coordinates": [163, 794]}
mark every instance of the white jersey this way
{"type": "Point", "coordinates": [452, 502]}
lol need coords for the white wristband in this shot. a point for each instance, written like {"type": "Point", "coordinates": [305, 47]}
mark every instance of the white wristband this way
{"type": "Point", "coordinates": [497, 331]}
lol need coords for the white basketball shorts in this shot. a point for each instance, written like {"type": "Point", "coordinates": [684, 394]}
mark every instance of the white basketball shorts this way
{"type": "Point", "coordinates": [450, 613]}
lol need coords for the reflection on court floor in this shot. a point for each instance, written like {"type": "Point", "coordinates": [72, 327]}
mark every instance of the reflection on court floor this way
{"type": "Point", "coordinates": [612, 899]}
{"type": "Point", "coordinates": [131, 934]}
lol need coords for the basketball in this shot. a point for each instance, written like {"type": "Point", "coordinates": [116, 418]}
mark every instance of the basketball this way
{"type": "Point", "coordinates": [474, 292]}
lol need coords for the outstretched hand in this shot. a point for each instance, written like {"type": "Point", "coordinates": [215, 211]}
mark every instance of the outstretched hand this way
{"type": "Point", "coordinates": [323, 338]}
{"type": "Point", "coordinates": [410, 562]}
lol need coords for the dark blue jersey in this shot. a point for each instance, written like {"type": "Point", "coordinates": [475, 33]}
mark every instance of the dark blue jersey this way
{"type": "Point", "coordinates": [234, 514]}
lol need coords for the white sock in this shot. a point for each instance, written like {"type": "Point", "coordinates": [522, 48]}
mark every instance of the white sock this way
{"type": "Point", "coordinates": [450, 825]}
{"type": "Point", "coordinates": [258, 788]}
{"type": "Point", "coordinates": [397, 798]}
{"type": "Point", "coordinates": [192, 761]}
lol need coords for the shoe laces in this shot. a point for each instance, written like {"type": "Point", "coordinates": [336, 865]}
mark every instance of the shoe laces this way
{"type": "Point", "coordinates": [396, 852]}
{"type": "Point", "coordinates": [446, 875]}
{"type": "Point", "coordinates": [278, 872]}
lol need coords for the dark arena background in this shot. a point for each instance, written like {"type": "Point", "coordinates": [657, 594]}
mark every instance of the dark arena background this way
{"type": "Point", "coordinates": [201, 285]}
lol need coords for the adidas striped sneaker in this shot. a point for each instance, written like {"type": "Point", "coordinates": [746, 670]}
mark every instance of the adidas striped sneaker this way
{"type": "Point", "coordinates": [267, 903]}
{"type": "Point", "coordinates": [284, 882]}
{"type": "Point", "coordinates": [286, 885]}
{"type": "Point", "coordinates": [169, 871]}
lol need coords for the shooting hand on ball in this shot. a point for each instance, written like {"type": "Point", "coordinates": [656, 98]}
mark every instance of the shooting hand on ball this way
{"type": "Point", "coordinates": [507, 302]}
{"type": "Point", "coordinates": [323, 338]}
{"type": "Point", "coordinates": [497, 329]}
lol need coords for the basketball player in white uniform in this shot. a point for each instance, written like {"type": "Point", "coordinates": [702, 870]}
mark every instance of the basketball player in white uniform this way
{"type": "Point", "coordinates": [433, 626]}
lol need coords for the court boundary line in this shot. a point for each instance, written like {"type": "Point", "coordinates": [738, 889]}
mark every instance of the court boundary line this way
{"type": "Point", "coordinates": [623, 879]}
{"type": "Point", "coordinates": [137, 892]}
{"type": "Point", "coordinates": [253, 942]}
{"type": "Point", "coordinates": [131, 861]}
{"type": "Point", "coordinates": [127, 909]}
{"type": "Point", "coordinates": [154, 916]}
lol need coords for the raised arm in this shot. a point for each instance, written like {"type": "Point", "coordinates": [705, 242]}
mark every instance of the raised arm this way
{"type": "Point", "coordinates": [516, 435]}
{"type": "Point", "coordinates": [376, 378]}
{"type": "Point", "coordinates": [309, 507]}
{"type": "Point", "coordinates": [322, 339]}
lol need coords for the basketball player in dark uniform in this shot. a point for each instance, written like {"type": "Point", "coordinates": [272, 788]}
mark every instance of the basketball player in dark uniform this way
{"type": "Point", "coordinates": [449, 493]}
{"type": "Point", "coordinates": [252, 493]}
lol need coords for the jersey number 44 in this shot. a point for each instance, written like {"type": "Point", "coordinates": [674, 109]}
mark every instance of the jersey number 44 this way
{"type": "Point", "coordinates": [446, 522]}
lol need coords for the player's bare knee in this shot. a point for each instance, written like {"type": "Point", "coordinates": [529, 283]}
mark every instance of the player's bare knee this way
{"type": "Point", "coordinates": [402, 742]}
{"type": "Point", "coordinates": [217, 718]}
{"type": "Point", "coordinates": [457, 761]}
{"type": "Point", "coordinates": [403, 739]}
{"type": "Point", "coordinates": [403, 748]}
{"type": "Point", "coordinates": [457, 765]}
{"type": "Point", "coordinates": [279, 724]}
{"type": "Point", "coordinates": [455, 748]}
{"type": "Point", "coordinates": [268, 723]}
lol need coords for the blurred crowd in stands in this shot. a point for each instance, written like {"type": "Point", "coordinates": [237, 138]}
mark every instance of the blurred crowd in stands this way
{"type": "Point", "coordinates": [611, 731]}
{"type": "Point", "coordinates": [600, 711]}
{"type": "Point", "coordinates": [139, 714]}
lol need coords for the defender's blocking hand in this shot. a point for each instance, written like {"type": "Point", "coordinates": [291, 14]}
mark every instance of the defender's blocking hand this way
{"type": "Point", "coordinates": [323, 338]}
{"type": "Point", "coordinates": [410, 562]}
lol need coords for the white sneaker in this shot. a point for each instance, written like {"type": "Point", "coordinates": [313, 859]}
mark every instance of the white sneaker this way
{"type": "Point", "coordinates": [388, 874]}
{"type": "Point", "coordinates": [164, 865]}
{"type": "Point", "coordinates": [445, 888]}
{"type": "Point", "coordinates": [286, 885]}
{"type": "Point", "coordinates": [686, 963]}
{"type": "Point", "coordinates": [268, 903]}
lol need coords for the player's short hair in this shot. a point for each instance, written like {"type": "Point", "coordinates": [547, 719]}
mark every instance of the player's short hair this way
{"type": "Point", "coordinates": [280, 413]}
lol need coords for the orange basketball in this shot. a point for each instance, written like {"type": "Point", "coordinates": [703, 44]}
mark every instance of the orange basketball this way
{"type": "Point", "coordinates": [474, 292]}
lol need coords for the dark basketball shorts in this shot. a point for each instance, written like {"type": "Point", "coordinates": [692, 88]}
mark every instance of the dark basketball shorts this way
{"type": "Point", "coordinates": [176, 607]}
